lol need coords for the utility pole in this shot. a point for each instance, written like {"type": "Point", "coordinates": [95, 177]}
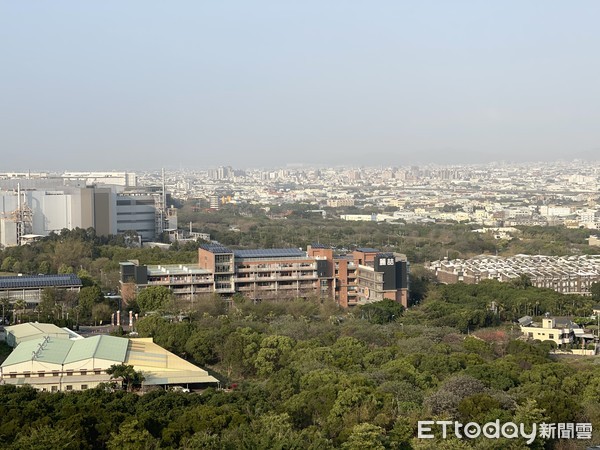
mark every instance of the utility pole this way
{"type": "Point", "coordinates": [164, 202]}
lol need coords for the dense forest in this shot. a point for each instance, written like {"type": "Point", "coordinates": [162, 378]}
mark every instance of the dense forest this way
{"type": "Point", "coordinates": [302, 374]}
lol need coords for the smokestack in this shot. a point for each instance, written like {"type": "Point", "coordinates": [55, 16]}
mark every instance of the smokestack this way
{"type": "Point", "coordinates": [163, 190]}
{"type": "Point", "coordinates": [19, 216]}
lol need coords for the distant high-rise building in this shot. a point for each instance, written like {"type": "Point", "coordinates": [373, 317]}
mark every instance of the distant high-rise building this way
{"type": "Point", "coordinates": [221, 173]}
{"type": "Point", "coordinates": [214, 202]}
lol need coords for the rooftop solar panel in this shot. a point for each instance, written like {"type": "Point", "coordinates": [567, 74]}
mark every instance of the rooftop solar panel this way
{"type": "Point", "coordinates": [269, 253]}
{"type": "Point", "coordinates": [215, 248]}
{"type": "Point", "coordinates": [37, 281]}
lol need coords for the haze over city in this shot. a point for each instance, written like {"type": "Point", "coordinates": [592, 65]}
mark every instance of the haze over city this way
{"type": "Point", "coordinates": [240, 225]}
{"type": "Point", "coordinates": [144, 84]}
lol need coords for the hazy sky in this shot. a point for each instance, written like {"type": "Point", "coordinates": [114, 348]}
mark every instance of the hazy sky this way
{"type": "Point", "coordinates": [145, 84]}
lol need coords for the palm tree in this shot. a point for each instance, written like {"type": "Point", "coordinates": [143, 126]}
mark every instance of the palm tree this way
{"type": "Point", "coordinates": [128, 375]}
{"type": "Point", "coordinates": [19, 307]}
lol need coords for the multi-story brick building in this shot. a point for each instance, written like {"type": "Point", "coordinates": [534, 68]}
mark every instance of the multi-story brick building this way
{"type": "Point", "coordinates": [366, 275]}
{"type": "Point", "coordinates": [261, 273]}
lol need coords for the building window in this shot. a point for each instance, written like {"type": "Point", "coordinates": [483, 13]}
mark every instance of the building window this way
{"type": "Point", "coordinates": [97, 371]}
{"type": "Point", "coordinates": [27, 374]}
{"type": "Point", "coordinates": [13, 375]}
{"type": "Point", "coordinates": [69, 373]}
{"type": "Point", "coordinates": [55, 373]}
{"type": "Point", "coordinates": [84, 372]}
{"type": "Point", "coordinates": [551, 336]}
{"type": "Point", "coordinates": [54, 389]}
{"type": "Point", "coordinates": [69, 387]}
{"type": "Point", "coordinates": [84, 387]}
{"type": "Point", "coordinates": [41, 374]}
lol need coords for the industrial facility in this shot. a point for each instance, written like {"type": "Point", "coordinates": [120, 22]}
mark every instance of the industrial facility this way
{"type": "Point", "coordinates": [53, 359]}
{"type": "Point", "coordinates": [109, 203]}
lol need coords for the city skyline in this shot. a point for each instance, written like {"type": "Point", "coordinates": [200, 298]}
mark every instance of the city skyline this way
{"type": "Point", "coordinates": [589, 162]}
{"type": "Point", "coordinates": [142, 85]}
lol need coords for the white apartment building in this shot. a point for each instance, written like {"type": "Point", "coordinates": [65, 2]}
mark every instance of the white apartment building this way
{"type": "Point", "coordinates": [555, 211]}
{"type": "Point", "coordinates": [587, 216]}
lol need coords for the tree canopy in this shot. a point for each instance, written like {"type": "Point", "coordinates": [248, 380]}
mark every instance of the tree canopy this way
{"type": "Point", "coordinates": [127, 374]}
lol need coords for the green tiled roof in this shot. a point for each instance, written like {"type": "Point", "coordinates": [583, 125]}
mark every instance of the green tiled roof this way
{"type": "Point", "coordinates": [103, 347]}
{"type": "Point", "coordinates": [64, 351]}
{"type": "Point", "coordinates": [112, 347]}
{"type": "Point", "coordinates": [54, 351]}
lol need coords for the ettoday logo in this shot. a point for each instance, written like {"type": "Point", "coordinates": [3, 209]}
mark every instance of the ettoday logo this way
{"type": "Point", "coordinates": [508, 430]}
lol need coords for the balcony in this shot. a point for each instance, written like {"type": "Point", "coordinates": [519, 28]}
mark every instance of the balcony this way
{"type": "Point", "coordinates": [275, 268]}
{"type": "Point", "coordinates": [192, 291]}
{"type": "Point", "coordinates": [245, 288]}
{"type": "Point", "coordinates": [173, 282]}
{"type": "Point", "coordinates": [308, 277]}
{"type": "Point", "coordinates": [224, 290]}
{"type": "Point", "coordinates": [287, 287]}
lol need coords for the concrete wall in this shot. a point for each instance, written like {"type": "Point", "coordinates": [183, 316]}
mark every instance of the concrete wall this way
{"type": "Point", "coordinates": [136, 214]}
{"type": "Point", "coordinates": [103, 212]}
{"type": "Point", "coordinates": [8, 232]}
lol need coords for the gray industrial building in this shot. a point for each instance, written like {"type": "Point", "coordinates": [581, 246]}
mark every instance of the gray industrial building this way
{"type": "Point", "coordinates": [30, 210]}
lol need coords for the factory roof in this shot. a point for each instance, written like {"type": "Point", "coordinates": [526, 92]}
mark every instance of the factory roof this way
{"type": "Point", "coordinates": [39, 281]}
{"type": "Point", "coordinates": [270, 253]}
{"type": "Point", "coordinates": [64, 351]}
{"type": "Point", "coordinates": [15, 334]}
{"type": "Point", "coordinates": [161, 367]}
{"type": "Point", "coordinates": [216, 248]}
